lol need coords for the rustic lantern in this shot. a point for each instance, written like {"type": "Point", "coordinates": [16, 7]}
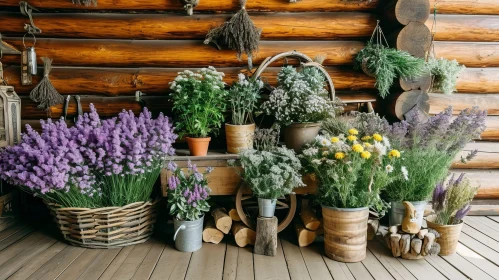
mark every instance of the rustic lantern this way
{"type": "Point", "coordinates": [10, 116]}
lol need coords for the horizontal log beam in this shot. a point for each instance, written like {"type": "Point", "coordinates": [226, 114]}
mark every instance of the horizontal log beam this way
{"type": "Point", "coordinates": [468, 7]}
{"type": "Point", "coordinates": [468, 28]}
{"type": "Point", "coordinates": [154, 81]}
{"type": "Point", "coordinates": [478, 80]}
{"type": "Point", "coordinates": [459, 102]}
{"type": "Point", "coordinates": [205, 5]}
{"type": "Point", "coordinates": [492, 130]}
{"type": "Point", "coordinates": [275, 26]}
{"type": "Point", "coordinates": [469, 53]}
{"type": "Point", "coordinates": [486, 158]}
{"type": "Point", "coordinates": [487, 180]}
{"type": "Point", "coordinates": [173, 53]}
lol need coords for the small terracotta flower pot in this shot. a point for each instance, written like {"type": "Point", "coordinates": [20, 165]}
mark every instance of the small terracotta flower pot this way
{"type": "Point", "coordinates": [239, 137]}
{"type": "Point", "coordinates": [296, 135]}
{"type": "Point", "coordinates": [198, 146]}
{"type": "Point", "coordinates": [449, 235]}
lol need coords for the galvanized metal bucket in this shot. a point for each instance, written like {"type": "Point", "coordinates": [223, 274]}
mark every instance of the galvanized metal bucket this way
{"type": "Point", "coordinates": [188, 235]}
{"type": "Point", "coordinates": [266, 207]}
{"type": "Point", "coordinates": [397, 212]}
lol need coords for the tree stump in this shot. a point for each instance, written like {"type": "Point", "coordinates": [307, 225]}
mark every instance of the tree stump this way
{"type": "Point", "coordinates": [305, 236]}
{"type": "Point", "coordinates": [266, 236]}
{"type": "Point", "coordinates": [222, 220]}
{"type": "Point", "coordinates": [309, 218]}
{"type": "Point", "coordinates": [243, 235]}
{"type": "Point", "coordinates": [210, 233]}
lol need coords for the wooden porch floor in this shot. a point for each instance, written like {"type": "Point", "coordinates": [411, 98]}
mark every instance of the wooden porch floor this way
{"type": "Point", "coordinates": [28, 252]}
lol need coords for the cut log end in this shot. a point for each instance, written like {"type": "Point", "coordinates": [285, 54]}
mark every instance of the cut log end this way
{"type": "Point", "coordinates": [234, 215]}
{"type": "Point", "coordinates": [305, 236]}
{"type": "Point", "coordinates": [415, 39]}
{"type": "Point", "coordinates": [243, 235]}
{"type": "Point", "coordinates": [407, 11]}
{"type": "Point", "coordinates": [223, 221]}
{"type": "Point", "coordinates": [412, 100]}
{"type": "Point", "coordinates": [309, 218]}
{"type": "Point", "coordinates": [210, 233]}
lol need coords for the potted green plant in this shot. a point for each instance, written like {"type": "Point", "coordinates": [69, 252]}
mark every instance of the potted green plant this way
{"type": "Point", "coordinates": [199, 101]}
{"type": "Point", "coordinates": [104, 167]}
{"type": "Point", "coordinates": [430, 146]}
{"type": "Point", "coordinates": [444, 74]}
{"type": "Point", "coordinates": [188, 193]}
{"type": "Point", "coordinates": [350, 171]}
{"type": "Point", "coordinates": [451, 203]}
{"type": "Point", "coordinates": [243, 96]}
{"type": "Point", "coordinates": [271, 172]}
{"type": "Point", "coordinates": [299, 104]}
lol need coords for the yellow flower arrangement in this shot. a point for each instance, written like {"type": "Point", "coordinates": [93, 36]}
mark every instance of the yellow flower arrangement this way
{"type": "Point", "coordinates": [353, 131]}
{"type": "Point", "coordinates": [394, 154]}
{"type": "Point", "coordinates": [339, 155]}
{"type": "Point", "coordinates": [352, 137]}
{"type": "Point", "coordinates": [366, 138]}
{"type": "Point", "coordinates": [335, 139]}
{"type": "Point", "coordinates": [365, 154]}
{"type": "Point", "coordinates": [357, 148]}
{"type": "Point", "coordinates": [377, 137]}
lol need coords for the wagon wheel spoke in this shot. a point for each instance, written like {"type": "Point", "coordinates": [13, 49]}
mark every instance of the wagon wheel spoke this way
{"type": "Point", "coordinates": [246, 198]}
{"type": "Point", "coordinates": [282, 204]}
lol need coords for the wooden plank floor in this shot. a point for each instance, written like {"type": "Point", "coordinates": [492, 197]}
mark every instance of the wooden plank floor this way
{"type": "Point", "coordinates": [29, 251]}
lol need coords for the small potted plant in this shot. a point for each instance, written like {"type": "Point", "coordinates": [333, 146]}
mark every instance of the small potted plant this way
{"type": "Point", "coordinates": [350, 171]}
{"type": "Point", "coordinates": [444, 74]}
{"type": "Point", "coordinates": [271, 172]}
{"type": "Point", "coordinates": [429, 147]}
{"type": "Point", "coordinates": [451, 203]}
{"type": "Point", "coordinates": [188, 193]}
{"type": "Point", "coordinates": [199, 101]}
{"type": "Point", "coordinates": [299, 104]}
{"type": "Point", "coordinates": [243, 96]}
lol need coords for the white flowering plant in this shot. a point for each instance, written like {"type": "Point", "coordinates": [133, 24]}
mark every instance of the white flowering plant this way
{"type": "Point", "coordinates": [271, 174]}
{"type": "Point", "coordinates": [199, 101]}
{"type": "Point", "coordinates": [300, 97]}
{"type": "Point", "coordinates": [243, 97]}
{"type": "Point", "coordinates": [351, 170]}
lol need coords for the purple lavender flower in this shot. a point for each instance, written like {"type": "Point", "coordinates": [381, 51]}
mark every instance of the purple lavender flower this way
{"type": "Point", "coordinates": [461, 213]}
{"type": "Point", "coordinates": [439, 195]}
{"type": "Point", "coordinates": [172, 166]}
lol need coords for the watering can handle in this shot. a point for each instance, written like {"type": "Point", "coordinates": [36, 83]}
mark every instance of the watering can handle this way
{"type": "Point", "coordinates": [182, 227]}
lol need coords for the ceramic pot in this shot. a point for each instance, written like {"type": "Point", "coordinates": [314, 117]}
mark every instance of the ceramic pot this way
{"type": "Point", "coordinates": [397, 212]}
{"type": "Point", "coordinates": [198, 146]}
{"type": "Point", "coordinates": [266, 207]}
{"type": "Point", "coordinates": [239, 137]}
{"type": "Point", "coordinates": [345, 233]}
{"type": "Point", "coordinates": [188, 234]}
{"type": "Point", "coordinates": [449, 235]}
{"type": "Point", "coordinates": [296, 135]}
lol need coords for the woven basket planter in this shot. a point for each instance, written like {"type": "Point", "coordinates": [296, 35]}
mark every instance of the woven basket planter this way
{"type": "Point", "coordinates": [108, 227]}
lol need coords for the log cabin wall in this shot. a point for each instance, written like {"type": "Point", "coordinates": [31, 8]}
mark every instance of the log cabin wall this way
{"type": "Point", "coordinates": [468, 31]}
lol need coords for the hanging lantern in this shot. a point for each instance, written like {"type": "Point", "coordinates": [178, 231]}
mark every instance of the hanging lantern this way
{"type": "Point", "coordinates": [10, 116]}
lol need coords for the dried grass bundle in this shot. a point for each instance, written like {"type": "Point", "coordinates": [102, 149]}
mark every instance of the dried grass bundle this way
{"type": "Point", "coordinates": [45, 93]}
{"type": "Point", "coordinates": [239, 34]}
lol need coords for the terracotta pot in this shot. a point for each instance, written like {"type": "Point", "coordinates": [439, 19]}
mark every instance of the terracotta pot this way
{"type": "Point", "coordinates": [239, 137]}
{"type": "Point", "coordinates": [296, 135]}
{"type": "Point", "coordinates": [449, 235]}
{"type": "Point", "coordinates": [345, 233]}
{"type": "Point", "coordinates": [198, 146]}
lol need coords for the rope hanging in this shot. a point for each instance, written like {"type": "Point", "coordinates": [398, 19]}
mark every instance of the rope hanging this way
{"type": "Point", "coordinates": [239, 34]}
{"type": "Point", "coordinates": [45, 93]}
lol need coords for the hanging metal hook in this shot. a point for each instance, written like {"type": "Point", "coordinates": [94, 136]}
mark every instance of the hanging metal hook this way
{"type": "Point", "coordinates": [34, 40]}
{"type": "Point", "coordinates": [27, 9]}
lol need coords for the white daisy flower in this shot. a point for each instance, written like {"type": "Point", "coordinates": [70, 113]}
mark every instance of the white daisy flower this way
{"type": "Point", "coordinates": [405, 173]}
{"type": "Point", "coordinates": [389, 168]}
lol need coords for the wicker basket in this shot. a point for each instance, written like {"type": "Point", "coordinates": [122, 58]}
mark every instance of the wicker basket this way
{"type": "Point", "coordinates": [108, 227]}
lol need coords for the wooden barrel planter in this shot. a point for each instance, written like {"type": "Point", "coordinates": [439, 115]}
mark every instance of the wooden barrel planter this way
{"type": "Point", "coordinates": [345, 233]}
{"type": "Point", "coordinates": [107, 227]}
{"type": "Point", "coordinates": [449, 235]}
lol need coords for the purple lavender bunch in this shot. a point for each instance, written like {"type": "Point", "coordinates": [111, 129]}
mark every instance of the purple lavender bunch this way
{"type": "Point", "coordinates": [460, 214]}
{"type": "Point", "coordinates": [439, 195]}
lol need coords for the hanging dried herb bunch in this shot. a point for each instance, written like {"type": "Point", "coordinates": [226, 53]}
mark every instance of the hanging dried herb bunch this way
{"type": "Point", "coordinates": [45, 93]}
{"type": "Point", "coordinates": [445, 73]}
{"type": "Point", "coordinates": [239, 34]}
{"type": "Point", "coordinates": [85, 2]}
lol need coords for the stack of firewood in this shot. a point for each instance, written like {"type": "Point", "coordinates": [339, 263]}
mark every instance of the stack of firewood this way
{"type": "Point", "coordinates": [412, 246]}
{"type": "Point", "coordinates": [222, 222]}
{"type": "Point", "coordinates": [308, 227]}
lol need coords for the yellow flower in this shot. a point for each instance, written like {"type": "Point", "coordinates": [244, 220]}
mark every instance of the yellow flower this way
{"type": "Point", "coordinates": [365, 154]}
{"type": "Point", "coordinates": [353, 131]}
{"type": "Point", "coordinates": [367, 144]}
{"type": "Point", "coordinates": [357, 148]}
{"type": "Point", "coordinates": [366, 138]}
{"type": "Point", "coordinates": [339, 155]}
{"type": "Point", "coordinates": [377, 137]}
{"type": "Point", "coordinates": [394, 153]}
{"type": "Point", "coordinates": [352, 137]}
{"type": "Point", "coordinates": [335, 139]}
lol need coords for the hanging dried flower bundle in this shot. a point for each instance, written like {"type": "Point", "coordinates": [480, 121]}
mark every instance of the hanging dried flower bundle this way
{"type": "Point", "coordinates": [45, 93]}
{"type": "Point", "coordinates": [85, 2]}
{"type": "Point", "coordinates": [239, 34]}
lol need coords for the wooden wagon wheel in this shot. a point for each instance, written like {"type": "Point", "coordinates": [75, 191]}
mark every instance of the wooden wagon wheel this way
{"type": "Point", "coordinates": [291, 205]}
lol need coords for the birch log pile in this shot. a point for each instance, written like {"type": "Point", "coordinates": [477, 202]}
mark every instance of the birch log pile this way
{"type": "Point", "coordinates": [412, 246]}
